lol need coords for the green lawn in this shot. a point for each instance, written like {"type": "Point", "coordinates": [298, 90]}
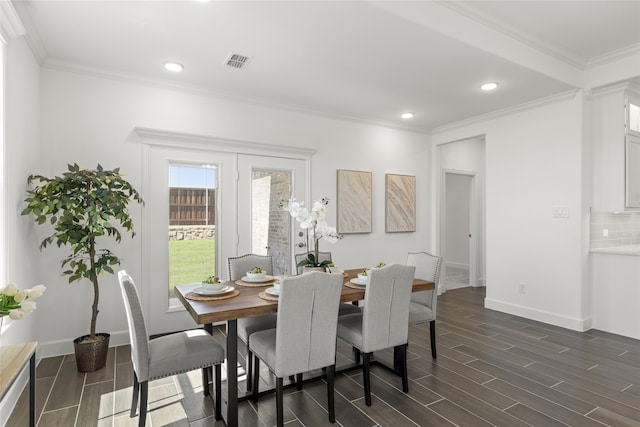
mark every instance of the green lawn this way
{"type": "Point", "coordinates": [190, 261]}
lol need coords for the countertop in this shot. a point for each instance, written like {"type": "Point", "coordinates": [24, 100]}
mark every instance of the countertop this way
{"type": "Point", "coordinates": [618, 250]}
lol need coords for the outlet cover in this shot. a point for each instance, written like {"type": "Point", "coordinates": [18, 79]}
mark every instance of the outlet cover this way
{"type": "Point", "coordinates": [522, 288]}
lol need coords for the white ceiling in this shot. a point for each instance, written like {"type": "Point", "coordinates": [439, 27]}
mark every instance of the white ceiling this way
{"type": "Point", "coordinates": [367, 61]}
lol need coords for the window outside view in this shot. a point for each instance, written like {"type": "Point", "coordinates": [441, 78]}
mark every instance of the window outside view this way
{"type": "Point", "coordinates": [192, 223]}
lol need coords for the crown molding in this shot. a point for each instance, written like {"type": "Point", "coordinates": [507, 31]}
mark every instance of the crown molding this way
{"type": "Point", "coordinates": [614, 56]}
{"type": "Point", "coordinates": [31, 33]}
{"type": "Point", "coordinates": [10, 24]}
{"type": "Point", "coordinates": [553, 99]}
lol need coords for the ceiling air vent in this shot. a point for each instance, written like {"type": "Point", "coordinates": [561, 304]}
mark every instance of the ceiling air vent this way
{"type": "Point", "coordinates": [238, 61]}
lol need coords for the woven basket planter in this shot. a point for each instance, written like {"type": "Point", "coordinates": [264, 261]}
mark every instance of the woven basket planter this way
{"type": "Point", "coordinates": [91, 356]}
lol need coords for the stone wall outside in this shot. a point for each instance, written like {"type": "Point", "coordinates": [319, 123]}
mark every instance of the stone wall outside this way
{"type": "Point", "coordinates": [192, 232]}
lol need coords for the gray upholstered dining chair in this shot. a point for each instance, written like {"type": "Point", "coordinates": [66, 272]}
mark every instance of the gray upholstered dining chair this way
{"type": "Point", "coordinates": [305, 336]}
{"type": "Point", "coordinates": [384, 321]}
{"type": "Point", "coordinates": [424, 303]}
{"type": "Point", "coordinates": [345, 308]}
{"type": "Point", "coordinates": [167, 355]}
{"type": "Point", "coordinates": [238, 267]}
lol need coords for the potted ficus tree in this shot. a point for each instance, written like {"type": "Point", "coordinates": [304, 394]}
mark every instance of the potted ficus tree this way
{"type": "Point", "coordinates": [83, 206]}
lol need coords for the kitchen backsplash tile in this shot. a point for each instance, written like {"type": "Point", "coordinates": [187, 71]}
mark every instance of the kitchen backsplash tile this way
{"type": "Point", "coordinates": [614, 229]}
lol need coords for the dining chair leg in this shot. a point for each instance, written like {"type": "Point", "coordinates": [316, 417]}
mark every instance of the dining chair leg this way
{"type": "Point", "coordinates": [256, 377]}
{"type": "Point", "coordinates": [299, 381]}
{"type": "Point", "coordinates": [397, 360]}
{"type": "Point", "coordinates": [432, 332]}
{"type": "Point", "coordinates": [402, 364]}
{"type": "Point", "coordinates": [249, 368]}
{"type": "Point", "coordinates": [331, 370]}
{"type": "Point", "coordinates": [134, 397]}
{"type": "Point", "coordinates": [366, 362]}
{"type": "Point", "coordinates": [356, 355]}
{"type": "Point", "coordinates": [218, 391]}
{"type": "Point", "coordinates": [279, 402]}
{"type": "Point", "coordinates": [205, 380]}
{"type": "Point", "coordinates": [144, 389]}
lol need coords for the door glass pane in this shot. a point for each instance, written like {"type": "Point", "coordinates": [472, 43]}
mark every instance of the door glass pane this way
{"type": "Point", "coordinates": [192, 223]}
{"type": "Point", "coordinates": [270, 224]}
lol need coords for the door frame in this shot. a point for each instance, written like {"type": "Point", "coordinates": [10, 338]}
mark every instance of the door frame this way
{"type": "Point", "coordinates": [473, 223]}
{"type": "Point", "coordinates": [154, 138]}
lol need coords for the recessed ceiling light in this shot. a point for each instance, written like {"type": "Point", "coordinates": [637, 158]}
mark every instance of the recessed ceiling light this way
{"type": "Point", "coordinates": [489, 86]}
{"type": "Point", "coordinates": [407, 115]}
{"type": "Point", "coordinates": [174, 66]}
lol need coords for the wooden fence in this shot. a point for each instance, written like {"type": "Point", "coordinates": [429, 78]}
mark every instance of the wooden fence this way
{"type": "Point", "coordinates": [192, 206]}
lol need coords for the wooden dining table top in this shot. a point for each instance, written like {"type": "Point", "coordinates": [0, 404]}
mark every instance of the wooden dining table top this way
{"type": "Point", "coordinates": [249, 304]}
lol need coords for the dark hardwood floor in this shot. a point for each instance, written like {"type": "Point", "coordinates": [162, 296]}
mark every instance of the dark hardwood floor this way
{"type": "Point", "coordinates": [492, 369]}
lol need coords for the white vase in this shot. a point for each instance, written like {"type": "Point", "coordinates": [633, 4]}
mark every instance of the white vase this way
{"type": "Point", "coordinates": [306, 269]}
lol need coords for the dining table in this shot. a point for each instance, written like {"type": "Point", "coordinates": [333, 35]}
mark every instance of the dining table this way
{"type": "Point", "coordinates": [247, 302]}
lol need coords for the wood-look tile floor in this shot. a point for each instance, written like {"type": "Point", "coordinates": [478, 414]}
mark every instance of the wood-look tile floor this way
{"type": "Point", "coordinates": [492, 369]}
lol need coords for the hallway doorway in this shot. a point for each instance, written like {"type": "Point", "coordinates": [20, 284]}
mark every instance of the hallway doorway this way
{"type": "Point", "coordinates": [458, 229]}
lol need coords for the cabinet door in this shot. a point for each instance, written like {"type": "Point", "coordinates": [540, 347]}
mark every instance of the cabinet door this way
{"type": "Point", "coordinates": [632, 172]}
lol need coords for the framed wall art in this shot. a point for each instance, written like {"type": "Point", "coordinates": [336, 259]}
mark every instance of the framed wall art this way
{"type": "Point", "coordinates": [400, 203]}
{"type": "Point", "coordinates": [354, 201]}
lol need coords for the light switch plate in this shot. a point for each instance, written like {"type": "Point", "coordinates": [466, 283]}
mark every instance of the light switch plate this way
{"type": "Point", "coordinates": [560, 212]}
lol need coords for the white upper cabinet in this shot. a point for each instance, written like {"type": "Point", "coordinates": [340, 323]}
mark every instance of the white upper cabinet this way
{"type": "Point", "coordinates": [615, 119]}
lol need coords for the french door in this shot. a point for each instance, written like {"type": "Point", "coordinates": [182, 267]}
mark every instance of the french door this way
{"type": "Point", "coordinates": [189, 220]}
{"type": "Point", "coordinates": [203, 206]}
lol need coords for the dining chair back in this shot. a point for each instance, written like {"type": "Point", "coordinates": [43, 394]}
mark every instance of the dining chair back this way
{"type": "Point", "coordinates": [305, 336]}
{"type": "Point", "coordinates": [386, 313]}
{"type": "Point", "coordinates": [167, 355]}
{"type": "Point", "coordinates": [384, 321]}
{"type": "Point", "coordinates": [238, 267]}
{"type": "Point", "coordinates": [424, 303]}
{"type": "Point", "coordinates": [345, 308]}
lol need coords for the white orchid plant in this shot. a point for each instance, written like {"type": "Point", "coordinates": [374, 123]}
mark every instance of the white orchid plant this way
{"type": "Point", "coordinates": [314, 222]}
{"type": "Point", "coordinates": [16, 303]}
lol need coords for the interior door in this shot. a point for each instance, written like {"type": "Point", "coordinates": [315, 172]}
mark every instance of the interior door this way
{"type": "Point", "coordinates": [189, 218]}
{"type": "Point", "coordinates": [264, 227]}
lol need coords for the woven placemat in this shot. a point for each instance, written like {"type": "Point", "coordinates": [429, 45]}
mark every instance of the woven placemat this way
{"type": "Point", "coordinates": [255, 285]}
{"type": "Point", "coordinates": [352, 286]}
{"type": "Point", "coordinates": [267, 297]}
{"type": "Point", "coordinates": [195, 297]}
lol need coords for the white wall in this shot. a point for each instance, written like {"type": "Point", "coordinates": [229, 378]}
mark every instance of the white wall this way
{"type": "Point", "coordinates": [22, 138]}
{"type": "Point", "coordinates": [22, 118]}
{"type": "Point", "coordinates": [90, 120]}
{"type": "Point", "coordinates": [534, 162]}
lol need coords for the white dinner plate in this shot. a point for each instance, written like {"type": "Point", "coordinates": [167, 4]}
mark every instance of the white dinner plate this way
{"type": "Point", "coordinates": [202, 291]}
{"type": "Point", "coordinates": [355, 281]}
{"type": "Point", "coordinates": [272, 291]}
{"type": "Point", "coordinates": [266, 278]}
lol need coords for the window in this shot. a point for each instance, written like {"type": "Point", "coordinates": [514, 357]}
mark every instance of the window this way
{"type": "Point", "coordinates": [192, 223]}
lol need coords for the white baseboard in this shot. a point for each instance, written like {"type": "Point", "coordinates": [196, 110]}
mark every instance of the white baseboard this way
{"type": "Point", "coordinates": [62, 347]}
{"type": "Point", "coordinates": [567, 322]}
